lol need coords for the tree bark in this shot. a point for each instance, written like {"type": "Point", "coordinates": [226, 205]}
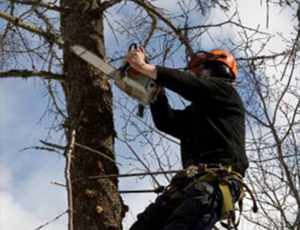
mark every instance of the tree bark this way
{"type": "Point", "coordinates": [96, 203]}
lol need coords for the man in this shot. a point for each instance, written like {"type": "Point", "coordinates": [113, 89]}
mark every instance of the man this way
{"type": "Point", "coordinates": [212, 133]}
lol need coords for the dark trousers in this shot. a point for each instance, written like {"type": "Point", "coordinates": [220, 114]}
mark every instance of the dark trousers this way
{"type": "Point", "coordinates": [199, 208]}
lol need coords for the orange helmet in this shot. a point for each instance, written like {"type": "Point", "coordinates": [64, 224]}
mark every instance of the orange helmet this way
{"type": "Point", "coordinates": [214, 55]}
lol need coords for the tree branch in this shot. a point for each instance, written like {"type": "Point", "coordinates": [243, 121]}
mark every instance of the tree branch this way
{"type": "Point", "coordinates": [18, 22]}
{"type": "Point", "coordinates": [51, 221]}
{"type": "Point", "coordinates": [151, 31]}
{"type": "Point", "coordinates": [47, 5]}
{"type": "Point", "coordinates": [148, 7]}
{"type": "Point", "coordinates": [107, 4]}
{"type": "Point", "coordinates": [6, 30]}
{"type": "Point", "coordinates": [69, 155]}
{"type": "Point", "coordinates": [219, 25]}
{"type": "Point", "coordinates": [27, 73]}
{"type": "Point", "coordinates": [273, 56]}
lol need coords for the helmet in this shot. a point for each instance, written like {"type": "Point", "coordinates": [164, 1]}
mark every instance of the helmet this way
{"type": "Point", "coordinates": [215, 56]}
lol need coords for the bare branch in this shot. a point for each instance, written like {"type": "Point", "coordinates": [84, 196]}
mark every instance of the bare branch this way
{"type": "Point", "coordinates": [152, 29]}
{"type": "Point", "coordinates": [49, 222]}
{"type": "Point", "coordinates": [151, 9]}
{"type": "Point", "coordinates": [6, 30]}
{"type": "Point", "coordinates": [53, 97]}
{"type": "Point", "coordinates": [52, 38]}
{"type": "Point", "coordinates": [69, 156]}
{"type": "Point", "coordinates": [107, 4]}
{"type": "Point", "coordinates": [263, 57]}
{"type": "Point", "coordinates": [33, 73]}
{"type": "Point", "coordinates": [95, 151]}
{"type": "Point", "coordinates": [49, 6]}
{"type": "Point", "coordinates": [54, 145]}
{"type": "Point", "coordinates": [219, 25]}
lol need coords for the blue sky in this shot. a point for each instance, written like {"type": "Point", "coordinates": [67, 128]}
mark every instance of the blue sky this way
{"type": "Point", "coordinates": [28, 198]}
{"type": "Point", "coordinates": [26, 175]}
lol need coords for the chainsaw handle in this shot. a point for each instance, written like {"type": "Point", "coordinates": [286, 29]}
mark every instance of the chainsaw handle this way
{"type": "Point", "coordinates": [126, 66]}
{"type": "Point", "coordinates": [135, 47]}
{"type": "Point", "coordinates": [132, 46]}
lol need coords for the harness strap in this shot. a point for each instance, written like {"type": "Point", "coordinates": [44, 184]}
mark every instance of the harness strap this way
{"type": "Point", "coordinates": [228, 202]}
{"type": "Point", "coordinates": [221, 174]}
{"type": "Point", "coordinates": [225, 176]}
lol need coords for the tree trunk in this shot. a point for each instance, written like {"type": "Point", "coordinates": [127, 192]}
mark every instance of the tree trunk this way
{"type": "Point", "coordinates": [96, 203]}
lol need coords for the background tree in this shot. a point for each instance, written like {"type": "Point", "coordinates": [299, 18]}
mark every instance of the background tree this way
{"type": "Point", "coordinates": [35, 37]}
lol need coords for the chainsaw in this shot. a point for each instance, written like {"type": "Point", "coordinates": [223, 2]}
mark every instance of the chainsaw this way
{"type": "Point", "coordinates": [128, 80]}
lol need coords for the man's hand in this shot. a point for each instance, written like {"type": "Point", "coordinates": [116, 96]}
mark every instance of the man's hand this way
{"type": "Point", "coordinates": [136, 59]}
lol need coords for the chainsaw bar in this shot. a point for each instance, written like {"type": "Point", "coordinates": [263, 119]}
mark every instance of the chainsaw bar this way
{"type": "Point", "coordinates": [94, 60]}
{"type": "Point", "coordinates": [139, 87]}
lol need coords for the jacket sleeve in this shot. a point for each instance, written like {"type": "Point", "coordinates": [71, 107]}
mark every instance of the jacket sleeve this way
{"type": "Point", "coordinates": [190, 87]}
{"type": "Point", "coordinates": [165, 118]}
{"type": "Point", "coordinates": [207, 94]}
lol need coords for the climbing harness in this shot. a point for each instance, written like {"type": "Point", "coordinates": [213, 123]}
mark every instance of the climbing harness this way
{"type": "Point", "coordinates": [224, 175]}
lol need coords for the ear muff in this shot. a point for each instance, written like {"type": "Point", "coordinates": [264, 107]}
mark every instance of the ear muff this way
{"type": "Point", "coordinates": [218, 69]}
{"type": "Point", "coordinates": [226, 58]}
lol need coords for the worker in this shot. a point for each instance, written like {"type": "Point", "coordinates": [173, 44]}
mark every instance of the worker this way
{"type": "Point", "coordinates": [211, 130]}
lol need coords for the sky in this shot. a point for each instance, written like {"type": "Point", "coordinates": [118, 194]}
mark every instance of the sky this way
{"type": "Point", "coordinates": [28, 197]}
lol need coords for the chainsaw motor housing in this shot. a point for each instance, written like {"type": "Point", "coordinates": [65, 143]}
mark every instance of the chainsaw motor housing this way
{"type": "Point", "coordinates": [140, 87]}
